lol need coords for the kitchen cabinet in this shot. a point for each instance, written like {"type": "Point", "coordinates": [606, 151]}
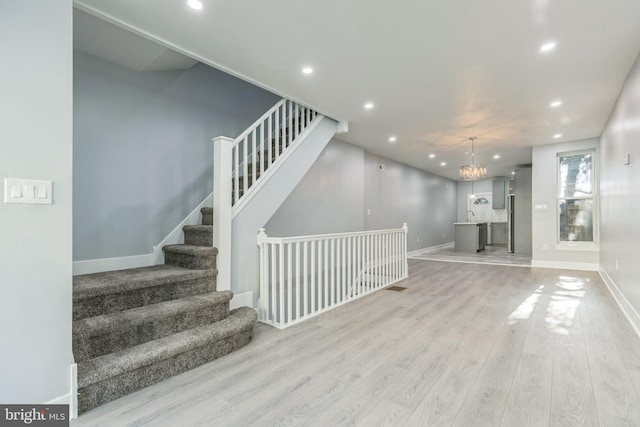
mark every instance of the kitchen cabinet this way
{"type": "Point", "coordinates": [499, 193]}
{"type": "Point", "coordinates": [470, 236]}
{"type": "Point", "coordinates": [498, 233]}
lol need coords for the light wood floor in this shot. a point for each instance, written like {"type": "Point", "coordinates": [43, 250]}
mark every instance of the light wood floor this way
{"type": "Point", "coordinates": [463, 345]}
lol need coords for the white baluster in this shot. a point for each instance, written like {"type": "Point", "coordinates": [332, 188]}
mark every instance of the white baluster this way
{"type": "Point", "coordinates": [298, 281]}
{"type": "Point", "coordinates": [245, 164]}
{"type": "Point", "coordinates": [261, 154]}
{"type": "Point", "coordinates": [253, 158]}
{"type": "Point", "coordinates": [274, 281]}
{"type": "Point", "coordinates": [405, 272]}
{"type": "Point", "coordinates": [314, 304]}
{"type": "Point", "coordinates": [270, 139]}
{"type": "Point", "coordinates": [282, 319]}
{"type": "Point", "coordinates": [277, 130]}
{"type": "Point", "coordinates": [338, 272]}
{"type": "Point", "coordinates": [289, 283]}
{"type": "Point", "coordinates": [305, 273]}
{"type": "Point", "coordinates": [349, 283]}
{"type": "Point", "coordinates": [326, 274]}
{"type": "Point", "coordinates": [290, 133]}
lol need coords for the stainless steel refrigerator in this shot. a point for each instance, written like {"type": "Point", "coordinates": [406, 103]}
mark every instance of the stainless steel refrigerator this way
{"type": "Point", "coordinates": [510, 216]}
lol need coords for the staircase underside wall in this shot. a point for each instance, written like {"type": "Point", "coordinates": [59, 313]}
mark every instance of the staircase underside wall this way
{"type": "Point", "coordinates": [244, 252]}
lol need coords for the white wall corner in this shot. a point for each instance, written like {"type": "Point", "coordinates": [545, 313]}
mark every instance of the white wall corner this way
{"type": "Point", "coordinates": [565, 265]}
{"type": "Point", "coordinates": [343, 126]}
{"type": "Point", "coordinates": [625, 306]}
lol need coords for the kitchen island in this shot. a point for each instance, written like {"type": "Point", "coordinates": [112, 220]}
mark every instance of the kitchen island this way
{"type": "Point", "coordinates": [470, 237]}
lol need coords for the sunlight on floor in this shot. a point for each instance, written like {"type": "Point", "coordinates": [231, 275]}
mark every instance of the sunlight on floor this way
{"type": "Point", "coordinates": [524, 310]}
{"type": "Point", "coordinates": [561, 308]}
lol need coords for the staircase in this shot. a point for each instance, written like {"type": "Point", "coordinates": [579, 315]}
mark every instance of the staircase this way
{"type": "Point", "coordinates": [133, 328]}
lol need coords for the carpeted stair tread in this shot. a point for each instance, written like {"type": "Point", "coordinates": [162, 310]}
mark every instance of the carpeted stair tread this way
{"type": "Point", "coordinates": [110, 365]}
{"type": "Point", "coordinates": [99, 335]}
{"type": "Point", "coordinates": [190, 256]}
{"type": "Point", "coordinates": [110, 282]}
{"type": "Point", "coordinates": [199, 235]}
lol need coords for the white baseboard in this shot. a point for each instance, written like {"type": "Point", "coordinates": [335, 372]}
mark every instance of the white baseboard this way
{"type": "Point", "coordinates": [625, 306]}
{"type": "Point", "coordinates": [110, 264]}
{"type": "Point", "coordinates": [564, 265]}
{"type": "Point", "coordinates": [430, 249]}
{"type": "Point", "coordinates": [244, 299]}
{"type": "Point", "coordinates": [176, 236]}
{"type": "Point", "coordinates": [70, 398]}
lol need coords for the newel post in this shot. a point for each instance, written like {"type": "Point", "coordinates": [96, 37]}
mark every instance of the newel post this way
{"type": "Point", "coordinates": [406, 262]}
{"type": "Point", "coordinates": [263, 297]}
{"type": "Point", "coordinates": [222, 209]}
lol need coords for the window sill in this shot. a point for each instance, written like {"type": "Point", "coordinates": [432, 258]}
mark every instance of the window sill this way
{"type": "Point", "coordinates": [578, 247]}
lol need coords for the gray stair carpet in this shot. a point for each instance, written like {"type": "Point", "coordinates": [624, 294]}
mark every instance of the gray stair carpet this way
{"type": "Point", "coordinates": [136, 327]}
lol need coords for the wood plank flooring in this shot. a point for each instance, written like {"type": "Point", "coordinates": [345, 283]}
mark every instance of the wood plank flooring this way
{"type": "Point", "coordinates": [463, 345]}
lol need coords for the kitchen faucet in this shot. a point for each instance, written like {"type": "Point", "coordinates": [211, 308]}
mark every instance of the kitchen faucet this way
{"type": "Point", "coordinates": [468, 216]}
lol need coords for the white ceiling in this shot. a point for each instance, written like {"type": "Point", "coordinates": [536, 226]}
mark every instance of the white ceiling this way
{"type": "Point", "coordinates": [438, 72]}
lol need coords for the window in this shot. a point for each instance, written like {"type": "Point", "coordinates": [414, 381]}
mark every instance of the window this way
{"type": "Point", "coordinates": [576, 197]}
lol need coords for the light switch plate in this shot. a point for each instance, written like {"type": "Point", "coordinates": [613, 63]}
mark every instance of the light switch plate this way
{"type": "Point", "coordinates": [627, 159]}
{"type": "Point", "coordinates": [28, 191]}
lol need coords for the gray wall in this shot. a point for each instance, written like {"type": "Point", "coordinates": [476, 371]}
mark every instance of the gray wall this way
{"type": "Point", "coordinates": [329, 199]}
{"type": "Point", "coordinates": [620, 191]}
{"type": "Point", "coordinates": [35, 249]}
{"type": "Point", "coordinates": [143, 156]}
{"type": "Point", "coordinates": [345, 184]}
{"type": "Point", "coordinates": [544, 192]}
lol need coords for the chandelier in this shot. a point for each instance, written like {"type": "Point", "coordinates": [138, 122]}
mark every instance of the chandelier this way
{"type": "Point", "coordinates": [472, 172]}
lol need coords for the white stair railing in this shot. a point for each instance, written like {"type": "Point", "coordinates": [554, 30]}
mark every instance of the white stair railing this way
{"type": "Point", "coordinates": [264, 142]}
{"type": "Point", "coordinates": [241, 164]}
{"type": "Point", "coordinates": [301, 277]}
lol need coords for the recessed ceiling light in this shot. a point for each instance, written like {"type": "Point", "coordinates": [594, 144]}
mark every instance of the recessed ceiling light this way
{"type": "Point", "coordinates": [547, 47]}
{"type": "Point", "coordinates": [195, 4]}
{"type": "Point", "coordinates": [557, 135]}
{"type": "Point", "coordinates": [392, 139]}
{"type": "Point", "coordinates": [555, 104]}
{"type": "Point", "coordinates": [431, 156]}
{"type": "Point", "coordinates": [513, 173]}
{"type": "Point", "coordinates": [368, 105]}
{"type": "Point", "coordinates": [496, 156]}
{"type": "Point", "coordinates": [443, 164]}
{"type": "Point", "coordinates": [307, 70]}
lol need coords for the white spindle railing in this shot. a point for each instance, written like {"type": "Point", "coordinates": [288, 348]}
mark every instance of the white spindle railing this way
{"type": "Point", "coordinates": [264, 142]}
{"type": "Point", "coordinates": [301, 277]}
{"type": "Point", "coordinates": [242, 164]}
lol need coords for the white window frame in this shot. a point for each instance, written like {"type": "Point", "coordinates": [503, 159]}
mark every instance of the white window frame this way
{"type": "Point", "coordinates": [578, 245]}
